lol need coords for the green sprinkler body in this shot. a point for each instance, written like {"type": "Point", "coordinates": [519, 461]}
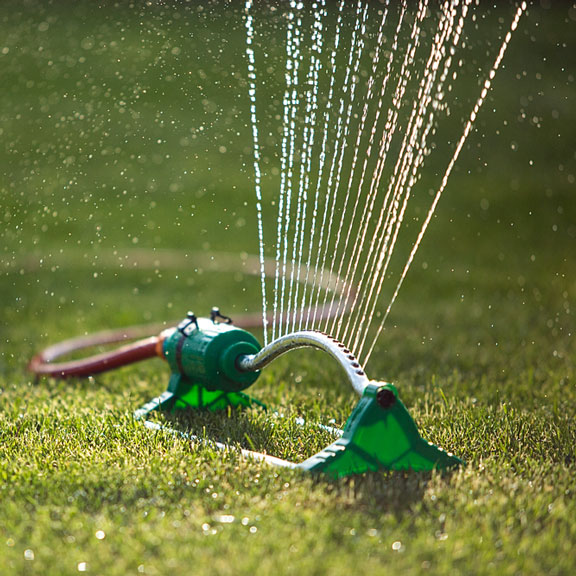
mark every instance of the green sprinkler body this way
{"type": "Point", "coordinates": [202, 354]}
{"type": "Point", "coordinates": [205, 351]}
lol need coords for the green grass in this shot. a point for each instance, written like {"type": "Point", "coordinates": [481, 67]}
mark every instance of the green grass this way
{"type": "Point", "coordinates": [480, 342]}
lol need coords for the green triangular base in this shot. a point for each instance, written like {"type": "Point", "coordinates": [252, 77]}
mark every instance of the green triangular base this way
{"type": "Point", "coordinates": [183, 395]}
{"type": "Point", "coordinates": [380, 434]}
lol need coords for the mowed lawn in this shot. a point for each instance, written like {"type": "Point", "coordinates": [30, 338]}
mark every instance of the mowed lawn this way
{"type": "Point", "coordinates": [125, 163]}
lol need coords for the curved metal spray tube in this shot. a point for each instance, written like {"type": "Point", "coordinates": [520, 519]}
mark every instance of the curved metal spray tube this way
{"type": "Point", "coordinates": [308, 339]}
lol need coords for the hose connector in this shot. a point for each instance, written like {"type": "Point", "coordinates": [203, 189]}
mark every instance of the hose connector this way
{"type": "Point", "coordinates": [205, 352]}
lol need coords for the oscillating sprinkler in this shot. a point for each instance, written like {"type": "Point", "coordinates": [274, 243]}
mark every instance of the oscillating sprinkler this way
{"type": "Point", "coordinates": [213, 362]}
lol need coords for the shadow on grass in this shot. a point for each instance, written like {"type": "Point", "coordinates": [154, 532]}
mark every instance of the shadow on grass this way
{"type": "Point", "coordinates": [384, 492]}
{"type": "Point", "coordinates": [283, 436]}
{"type": "Point", "coordinates": [389, 492]}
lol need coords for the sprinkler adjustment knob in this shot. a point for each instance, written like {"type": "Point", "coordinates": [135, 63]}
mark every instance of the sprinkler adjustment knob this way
{"type": "Point", "coordinates": [215, 314]}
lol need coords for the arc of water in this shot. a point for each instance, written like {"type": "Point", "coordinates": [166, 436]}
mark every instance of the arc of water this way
{"type": "Point", "coordinates": [296, 100]}
{"type": "Point", "coordinates": [385, 143]}
{"type": "Point", "coordinates": [412, 157]}
{"type": "Point", "coordinates": [256, 145]}
{"type": "Point", "coordinates": [425, 99]}
{"type": "Point", "coordinates": [377, 281]}
{"type": "Point", "coordinates": [318, 41]}
{"type": "Point", "coordinates": [332, 190]}
{"type": "Point", "coordinates": [318, 46]}
{"type": "Point", "coordinates": [291, 102]}
{"type": "Point", "coordinates": [372, 192]}
{"type": "Point", "coordinates": [349, 86]}
{"type": "Point", "coordinates": [318, 278]}
{"type": "Point", "coordinates": [385, 254]}
{"type": "Point", "coordinates": [371, 265]}
{"type": "Point", "coordinates": [456, 31]}
{"type": "Point", "coordinates": [405, 175]}
{"type": "Point", "coordinates": [361, 28]}
{"type": "Point", "coordinates": [337, 324]}
{"type": "Point", "coordinates": [390, 201]}
{"type": "Point", "coordinates": [467, 129]}
{"type": "Point", "coordinates": [305, 167]}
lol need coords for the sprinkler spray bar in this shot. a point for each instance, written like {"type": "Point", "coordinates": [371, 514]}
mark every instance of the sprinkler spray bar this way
{"type": "Point", "coordinates": [212, 362]}
{"type": "Point", "coordinates": [308, 339]}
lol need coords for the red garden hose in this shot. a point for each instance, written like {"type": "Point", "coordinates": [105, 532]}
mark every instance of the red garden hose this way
{"type": "Point", "coordinates": [149, 338]}
{"type": "Point", "coordinates": [43, 363]}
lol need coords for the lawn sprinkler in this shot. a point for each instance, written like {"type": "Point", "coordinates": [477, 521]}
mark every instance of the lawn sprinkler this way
{"type": "Point", "coordinates": [213, 362]}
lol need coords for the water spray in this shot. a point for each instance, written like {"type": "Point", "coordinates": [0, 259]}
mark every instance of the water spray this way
{"type": "Point", "coordinates": [213, 362]}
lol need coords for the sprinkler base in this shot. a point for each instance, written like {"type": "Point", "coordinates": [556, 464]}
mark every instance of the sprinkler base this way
{"type": "Point", "coordinates": [185, 395]}
{"type": "Point", "coordinates": [380, 434]}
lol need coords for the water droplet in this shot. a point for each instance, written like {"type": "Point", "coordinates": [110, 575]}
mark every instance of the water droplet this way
{"type": "Point", "coordinates": [29, 554]}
